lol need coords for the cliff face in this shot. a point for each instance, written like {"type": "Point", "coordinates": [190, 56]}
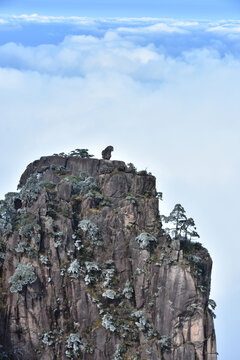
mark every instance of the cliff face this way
{"type": "Point", "coordinates": [87, 272]}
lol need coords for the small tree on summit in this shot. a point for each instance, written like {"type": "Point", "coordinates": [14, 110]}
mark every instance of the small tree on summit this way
{"type": "Point", "coordinates": [182, 228]}
{"type": "Point", "coordinates": [82, 153]}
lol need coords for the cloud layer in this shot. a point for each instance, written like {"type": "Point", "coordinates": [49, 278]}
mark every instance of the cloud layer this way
{"type": "Point", "coordinates": [165, 93]}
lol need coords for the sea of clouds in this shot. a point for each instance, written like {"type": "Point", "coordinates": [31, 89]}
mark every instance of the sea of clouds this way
{"type": "Point", "coordinates": [176, 78]}
{"type": "Point", "coordinates": [165, 93]}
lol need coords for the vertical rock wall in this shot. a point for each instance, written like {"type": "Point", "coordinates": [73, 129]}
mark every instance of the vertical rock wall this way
{"type": "Point", "coordinates": [87, 272]}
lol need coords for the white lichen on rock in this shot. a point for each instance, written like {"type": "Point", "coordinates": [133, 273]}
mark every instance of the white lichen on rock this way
{"type": "Point", "coordinates": [93, 271]}
{"type": "Point", "coordinates": [44, 260]}
{"type": "Point", "coordinates": [78, 242]}
{"type": "Point", "coordinates": [107, 322]}
{"type": "Point", "coordinates": [146, 240]}
{"type": "Point", "coordinates": [23, 275]}
{"type": "Point", "coordinates": [128, 290]}
{"type": "Point", "coordinates": [108, 276]}
{"type": "Point", "coordinates": [74, 269]}
{"type": "Point", "coordinates": [111, 294]}
{"type": "Point", "coordinates": [73, 344]}
{"type": "Point", "coordinates": [131, 199]}
{"type": "Point", "coordinates": [29, 228]}
{"type": "Point", "coordinates": [91, 231]}
{"type": "Point", "coordinates": [21, 247]}
{"type": "Point", "coordinates": [91, 266]}
{"type": "Point", "coordinates": [2, 249]}
{"type": "Point", "coordinates": [117, 354]}
{"type": "Point", "coordinates": [142, 322]}
{"type": "Point", "coordinates": [164, 342]}
{"type": "Point", "coordinates": [58, 238]}
{"type": "Point", "coordinates": [48, 338]}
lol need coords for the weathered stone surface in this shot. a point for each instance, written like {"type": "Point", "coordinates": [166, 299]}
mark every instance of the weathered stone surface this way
{"type": "Point", "coordinates": [106, 153]}
{"type": "Point", "coordinates": [158, 307]}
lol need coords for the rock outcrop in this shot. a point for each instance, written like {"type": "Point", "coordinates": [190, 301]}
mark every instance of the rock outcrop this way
{"type": "Point", "coordinates": [87, 271]}
{"type": "Point", "coordinates": [106, 153]}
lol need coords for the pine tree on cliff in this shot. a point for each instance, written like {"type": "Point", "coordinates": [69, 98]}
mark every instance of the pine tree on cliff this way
{"type": "Point", "coordinates": [183, 228]}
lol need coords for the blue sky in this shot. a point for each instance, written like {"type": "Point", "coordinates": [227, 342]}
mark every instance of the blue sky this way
{"type": "Point", "coordinates": [164, 92]}
{"type": "Point", "coordinates": [161, 8]}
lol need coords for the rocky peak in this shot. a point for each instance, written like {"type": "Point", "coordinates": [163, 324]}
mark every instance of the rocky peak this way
{"type": "Point", "coordinates": [87, 271]}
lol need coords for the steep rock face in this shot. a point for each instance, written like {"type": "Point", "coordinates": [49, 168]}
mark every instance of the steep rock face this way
{"type": "Point", "coordinates": [88, 273]}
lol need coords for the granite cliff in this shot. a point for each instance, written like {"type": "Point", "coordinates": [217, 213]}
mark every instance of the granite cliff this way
{"type": "Point", "coordinates": [87, 271]}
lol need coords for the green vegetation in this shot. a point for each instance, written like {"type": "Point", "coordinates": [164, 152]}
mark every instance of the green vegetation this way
{"type": "Point", "coordinates": [30, 191]}
{"type": "Point", "coordinates": [146, 241]}
{"type": "Point", "coordinates": [48, 338]}
{"type": "Point", "coordinates": [82, 153]}
{"type": "Point", "coordinates": [91, 230]}
{"type": "Point", "coordinates": [93, 272]}
{"type": "Point", "coordinates": [2, 249]}
{"type": "Point", "coordinates": [189, 247]}
{"type": "Point", "coordinates": [117, 354]}
{"type": "Point", "coordinates": [128, 290]}
{"type": "Point", "coordinates": [74, 269]}
{"type": "Point", "coordinates": [73, 345]}
{"type": "Point", "coordinates": [85, 185]}
{"type": "Point", "coordinates": [143, 172]}
{"type": "Point", "coordinates": [44, 260]}
{"type": "Point", "coordinates": [131, 199]}
{"type": "Point", "coordinates": [59, 170]}
{"type": "Point", "coordinates": [23, 275]}
{"type": "Point", "coordinates": [108, 322]}
{"type": "Point", "coordinates": [211, 307]}
{"type": "Point", "coordinates": [8, 214]}
{"type": "Point", "coordinates": [29, 229]}
{"type": "Point", "coordinates": [159, 195]}
{"type": "Point", "coordinates": [181, 227]}
{"type": "Point", "coordinates": [132, 168]}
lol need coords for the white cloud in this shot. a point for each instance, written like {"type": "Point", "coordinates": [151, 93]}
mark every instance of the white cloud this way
{"type": "Point", "coordinates": [156, 28]}
{"type": "Point", "coordinates": [225, 29]}
{"type": "Point", "coordinates": [185, 23]}
{"type": "Point", "coordinates": [3, 21]}
{"type": "Point", "coordinates": [35, 18]}
{"type": "Point", "coordinates": [176, 114]}
{"type": "Point", "coordinates": [133, 24]}
{"type": "Point", "coordinates": [128, 81]}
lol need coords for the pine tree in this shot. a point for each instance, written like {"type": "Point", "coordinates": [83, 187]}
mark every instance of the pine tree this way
{"type": "Point", "coordinates": [82, 153]}
{"type": "Point", "coordinates": [183, 228]}
{"type": "Point", "coordinates": [189, 229]}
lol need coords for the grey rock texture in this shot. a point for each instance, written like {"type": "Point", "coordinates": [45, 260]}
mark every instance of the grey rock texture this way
{"type": "Point", "coordinates": [106, 153]}
{"type": "Point", "coordinates": [110, 285]}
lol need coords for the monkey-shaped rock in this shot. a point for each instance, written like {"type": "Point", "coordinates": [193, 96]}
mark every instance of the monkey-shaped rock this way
{"type": "Point", "coordinates": [106, 153]}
